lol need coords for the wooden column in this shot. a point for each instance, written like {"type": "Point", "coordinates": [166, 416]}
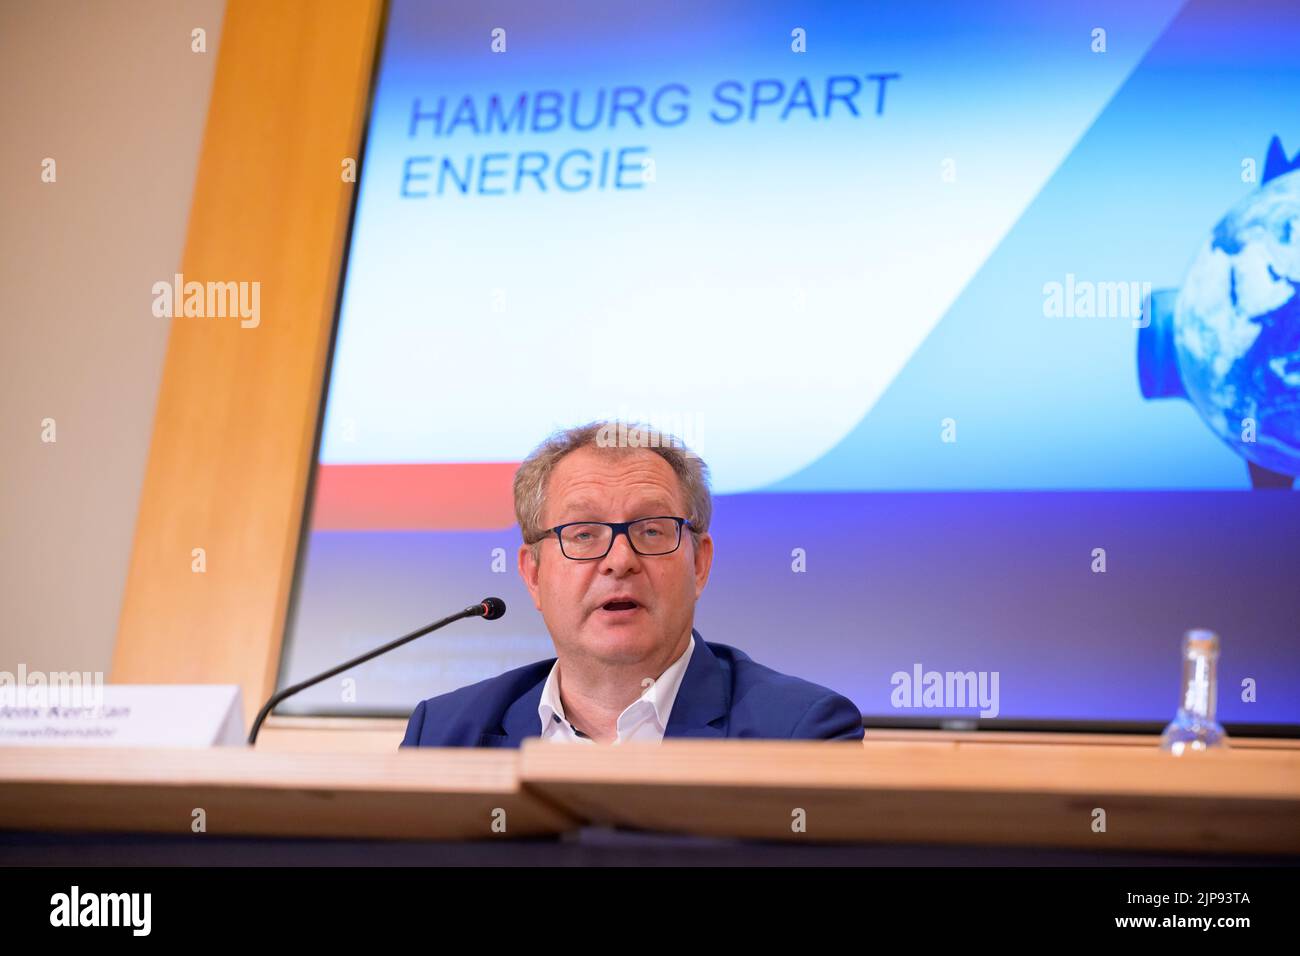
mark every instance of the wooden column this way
{"type": "Point", "coordinates": [237, 410]}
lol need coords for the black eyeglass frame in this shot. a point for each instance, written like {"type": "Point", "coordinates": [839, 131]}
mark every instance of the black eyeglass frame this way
{"type": "Point", "coordinates": [621, 527]}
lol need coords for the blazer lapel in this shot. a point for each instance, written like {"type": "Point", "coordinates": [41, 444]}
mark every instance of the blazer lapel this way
{"type": "Point", "coordinates": [700, 709]}
{"type": "Point", "coordinates": [519, 721]}
{"type": "Point", "coordinates": [704, 698]}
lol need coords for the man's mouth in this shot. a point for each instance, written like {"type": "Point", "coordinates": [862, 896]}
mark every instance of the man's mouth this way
{"type": "Point", "coordinates": [625, 606]}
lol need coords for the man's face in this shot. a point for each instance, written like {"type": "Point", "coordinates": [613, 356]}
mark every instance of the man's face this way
{"type": "Point", "coordinates": [594, 485]}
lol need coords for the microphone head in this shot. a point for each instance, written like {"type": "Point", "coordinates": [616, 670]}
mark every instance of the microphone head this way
{"type": "Point", "coordinates": [493, 608]}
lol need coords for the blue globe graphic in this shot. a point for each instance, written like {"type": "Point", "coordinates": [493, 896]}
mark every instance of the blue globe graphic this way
{"type": "Point", "coordinates": [1237, 327]}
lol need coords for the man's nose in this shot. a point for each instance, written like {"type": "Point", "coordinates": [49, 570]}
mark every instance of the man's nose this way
{"type": "Point", "coordinates": [621, 556]}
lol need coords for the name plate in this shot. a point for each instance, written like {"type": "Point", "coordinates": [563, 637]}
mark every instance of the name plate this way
{"type": "Point", "coordinates": [124, 715]}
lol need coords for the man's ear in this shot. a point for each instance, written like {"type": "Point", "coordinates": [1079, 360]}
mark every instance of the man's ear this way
{"type": "Point", "coordinates": [529, 570]}
{"type": "Point", "coordinates": [703, 562]}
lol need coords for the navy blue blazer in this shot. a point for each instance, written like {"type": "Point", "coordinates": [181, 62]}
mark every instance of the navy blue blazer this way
{"type": "Point", "coordinates": [722, 694]}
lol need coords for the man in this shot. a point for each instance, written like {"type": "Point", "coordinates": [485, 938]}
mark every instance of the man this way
{"type": "Point", "coordinates": [616, 552]}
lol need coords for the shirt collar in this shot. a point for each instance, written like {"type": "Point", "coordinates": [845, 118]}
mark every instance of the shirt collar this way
{"type": "Point", "coordinates": [661, 694]}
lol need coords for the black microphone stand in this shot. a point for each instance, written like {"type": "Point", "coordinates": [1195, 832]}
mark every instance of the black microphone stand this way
{"type": "Point", "coordinates": [489, 608]}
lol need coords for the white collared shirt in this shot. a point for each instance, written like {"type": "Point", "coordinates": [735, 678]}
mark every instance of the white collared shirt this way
{"type": "Point", "coordinates": [646, 718]}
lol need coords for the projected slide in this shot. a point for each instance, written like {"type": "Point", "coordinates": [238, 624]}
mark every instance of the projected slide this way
{"type": "Point", "coordinates": [951, 298]}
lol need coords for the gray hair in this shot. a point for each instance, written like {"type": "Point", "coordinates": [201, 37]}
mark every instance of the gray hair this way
{"type": "Point", "coordinates": [615, 437]}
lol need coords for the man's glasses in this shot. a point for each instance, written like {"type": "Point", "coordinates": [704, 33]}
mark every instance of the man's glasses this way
{"type": "Point", "coordinates": [589, 540]}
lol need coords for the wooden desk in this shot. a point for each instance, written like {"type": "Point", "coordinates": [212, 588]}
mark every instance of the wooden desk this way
{"type": "Point", "coordinates": [1241, 801]}
{"type": "Point", "coordinates": [1244, 801]}
{"type": "Point", "coordinates": [417, 794]}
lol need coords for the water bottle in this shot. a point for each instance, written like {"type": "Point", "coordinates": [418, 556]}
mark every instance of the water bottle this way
{"type": "Point", "coordinates": [1194, 728]}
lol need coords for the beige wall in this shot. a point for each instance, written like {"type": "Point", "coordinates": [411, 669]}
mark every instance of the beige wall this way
{"type": "Point", "coordinates": [112, 92]}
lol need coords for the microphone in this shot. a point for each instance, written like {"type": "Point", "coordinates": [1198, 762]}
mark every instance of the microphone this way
{"type": "Point", "coordinates": [489, 609]}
